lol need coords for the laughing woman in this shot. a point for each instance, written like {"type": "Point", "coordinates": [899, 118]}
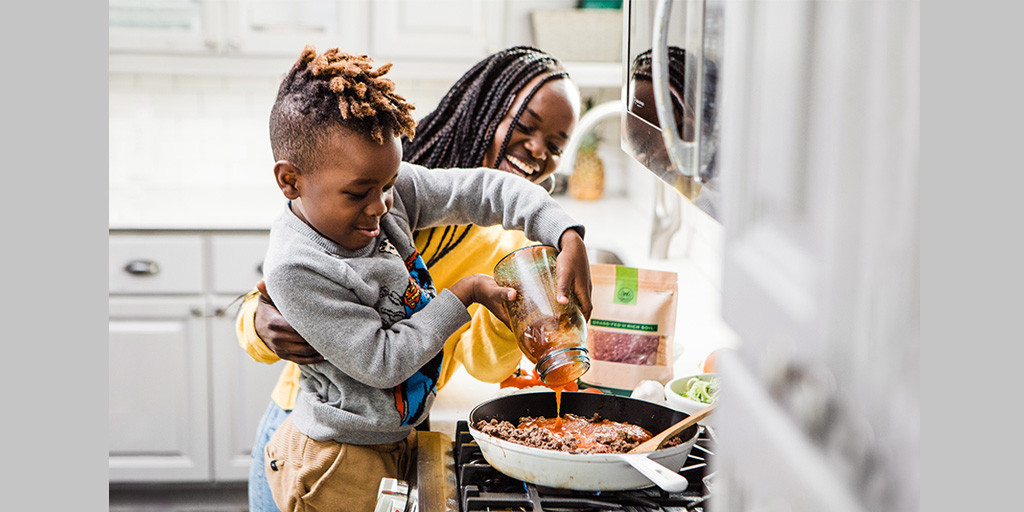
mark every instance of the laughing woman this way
{"type": "Point", "coordinates": [513, 111]}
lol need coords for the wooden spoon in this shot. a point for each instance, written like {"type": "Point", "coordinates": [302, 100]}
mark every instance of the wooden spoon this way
{"type": "Point", "coordinates": [655, 442]}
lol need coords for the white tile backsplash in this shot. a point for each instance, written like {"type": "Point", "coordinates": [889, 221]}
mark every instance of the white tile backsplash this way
{"type": "Point", "coordinates": [224, 103]}
{"type": "Point", "coordinates": [206, 131]}
{"type": "Point", "coordinates": [156, 83]}
{"type": "Point", "coordinates": [185, 84]}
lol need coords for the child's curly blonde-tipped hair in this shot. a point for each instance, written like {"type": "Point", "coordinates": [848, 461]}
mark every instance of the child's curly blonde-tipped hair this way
{"type": "Point", "coordinates": [331, 89]}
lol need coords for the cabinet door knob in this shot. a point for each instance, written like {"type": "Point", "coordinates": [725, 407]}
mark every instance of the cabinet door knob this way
{"type": "Point", "coordinates": [142, 268]}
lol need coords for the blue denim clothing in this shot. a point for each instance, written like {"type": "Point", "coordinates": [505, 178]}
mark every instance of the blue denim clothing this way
{"type": "Point", "coordinates": [260, 497]}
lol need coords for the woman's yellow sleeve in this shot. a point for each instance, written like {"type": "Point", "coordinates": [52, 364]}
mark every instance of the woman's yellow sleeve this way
{"type": "Point", "coordinates": [485, 346]}
{"type": "Point", "coordinates": [245, 328]}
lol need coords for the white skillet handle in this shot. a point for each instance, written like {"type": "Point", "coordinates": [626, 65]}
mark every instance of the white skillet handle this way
{"type": "Point", "coordinates": [662, 476]}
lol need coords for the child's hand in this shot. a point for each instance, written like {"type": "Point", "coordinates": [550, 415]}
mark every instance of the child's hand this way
{"type": "Point", "coordinates": [481, 289]}
{"type": "Point", "coordinates": [574, 271]}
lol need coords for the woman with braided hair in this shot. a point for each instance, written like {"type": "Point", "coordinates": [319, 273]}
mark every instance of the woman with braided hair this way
{"type": "Point", "coordinates": [513, 111]}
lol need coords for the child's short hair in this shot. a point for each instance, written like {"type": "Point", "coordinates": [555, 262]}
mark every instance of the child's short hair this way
{"type": "Point", "coordinates": [329, 90]}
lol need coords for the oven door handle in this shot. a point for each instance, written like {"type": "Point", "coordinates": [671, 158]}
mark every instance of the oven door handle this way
{"type": "Point", "coordinates": [684, 155]}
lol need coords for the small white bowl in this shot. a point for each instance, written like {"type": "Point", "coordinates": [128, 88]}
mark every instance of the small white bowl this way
{"type": "Point", "coordinates": [675, 400]}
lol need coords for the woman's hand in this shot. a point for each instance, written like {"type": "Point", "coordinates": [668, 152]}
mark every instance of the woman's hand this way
{"type": "Point", "coordinates": [481, 289]}
{"type": "Point", "coordinates": [574, 271]}
{"type": "Point", "coordinates": [278, 334]}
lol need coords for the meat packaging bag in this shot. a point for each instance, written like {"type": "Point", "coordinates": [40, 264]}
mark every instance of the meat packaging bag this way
{"type": "Point", "coordinates": [631, 327]}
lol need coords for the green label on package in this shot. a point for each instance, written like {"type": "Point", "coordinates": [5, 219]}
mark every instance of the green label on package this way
{"type": "Point", "coordinates": [625, 285]}
{"type": "Point", "coordinates": [631, 326]}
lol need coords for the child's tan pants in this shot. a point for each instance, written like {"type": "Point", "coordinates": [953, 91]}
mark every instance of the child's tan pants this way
{"type": "Point", "coordinates": [307, 475]}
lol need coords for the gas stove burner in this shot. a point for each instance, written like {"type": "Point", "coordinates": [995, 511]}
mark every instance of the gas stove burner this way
{"type": "Point", "coordinates": [485, 477]}
{"type": "Point", "coordinates": [481, 487]}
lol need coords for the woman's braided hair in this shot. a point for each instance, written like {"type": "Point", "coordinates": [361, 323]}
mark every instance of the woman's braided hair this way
{"type": "Point", "coordinates": [459, 131]}
{"type": "Point", "coordinates": [324, 91]}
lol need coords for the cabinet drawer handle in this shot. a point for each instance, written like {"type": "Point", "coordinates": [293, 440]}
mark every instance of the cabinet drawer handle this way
{"type": "Point", "coordinates": [142, 268]}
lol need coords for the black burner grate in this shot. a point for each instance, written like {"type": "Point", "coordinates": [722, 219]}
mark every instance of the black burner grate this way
{"type": "Point", "coordinates": [482, 487]}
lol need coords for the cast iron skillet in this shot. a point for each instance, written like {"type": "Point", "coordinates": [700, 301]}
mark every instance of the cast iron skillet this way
{"type": "Point", "coordinates": [592, 472]}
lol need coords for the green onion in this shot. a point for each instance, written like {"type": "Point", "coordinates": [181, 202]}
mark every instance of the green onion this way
{"type": "Point", "coordinates": [703, 391]}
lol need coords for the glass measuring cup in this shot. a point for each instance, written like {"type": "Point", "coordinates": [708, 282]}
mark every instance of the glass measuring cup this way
{"type": "Point", "coordinates": [551, 335]}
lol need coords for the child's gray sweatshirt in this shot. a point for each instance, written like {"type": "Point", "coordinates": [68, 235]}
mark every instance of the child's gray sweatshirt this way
{"type": "Point", "coordinates": [356, 307]}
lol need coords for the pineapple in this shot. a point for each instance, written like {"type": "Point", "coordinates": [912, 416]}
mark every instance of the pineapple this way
{"type": "Point", "coordinates": [586, 182]}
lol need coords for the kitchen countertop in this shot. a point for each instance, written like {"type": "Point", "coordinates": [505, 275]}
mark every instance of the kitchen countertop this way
{"type": "Point", "coordinates": [613, 223]}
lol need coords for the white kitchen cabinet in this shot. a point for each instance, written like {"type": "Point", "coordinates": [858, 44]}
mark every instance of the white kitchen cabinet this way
{"type": "Point", "coordinates": [284, 27]}
{"type": "Point", "coordinates": [235, 27]}
{"type": "Point", "coordinates": [240, 387]}
{"type": "Point", "coordinates": [239, 392]}
{"type": "Point", "coordinates": [148, 265]}
{"type": "Point", "coordinates": [158, 390]}
{"type": "Point", "coordinates": [164, 26]}
{"type": "Point", "coordinates": [442, 29]}
{"type": "Point", "coordinates": [236, 262]}
{"type": "Point", "coordinates": [425, 39]}
{"type": "Point", "coordinates": [387, 29]}
{"type": "Point", "coordinates": [184, 398]}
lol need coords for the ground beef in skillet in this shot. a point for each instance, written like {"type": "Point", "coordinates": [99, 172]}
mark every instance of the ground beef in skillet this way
{"type": "Point", "coordinates": [532, 436]}
{"type": "Point", "coordinates": [540, 437]}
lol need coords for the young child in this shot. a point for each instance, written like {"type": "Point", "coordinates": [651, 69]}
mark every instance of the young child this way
{"type": "Point", "coordinates": [515, 105]}
{"type": "Point", "coordinates": [343, 270]}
